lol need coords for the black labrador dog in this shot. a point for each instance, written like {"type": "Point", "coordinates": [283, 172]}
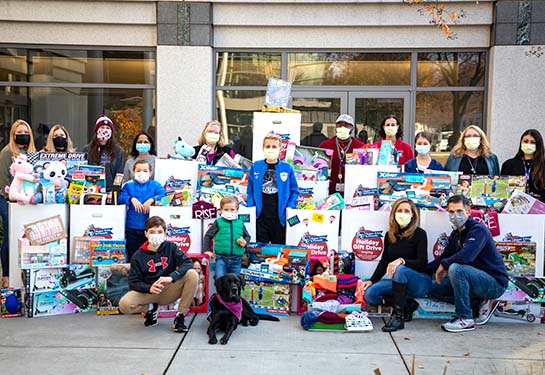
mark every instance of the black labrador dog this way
{"type": "Point", "coordinates": [230, 309]}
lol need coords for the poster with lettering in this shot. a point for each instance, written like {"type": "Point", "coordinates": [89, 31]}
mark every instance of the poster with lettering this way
{"type": "Point", "coordinates": [361, 177]}
{"type": "Point", "coordinates": [317, 230]}
{"type": "Point", "coordinates": [247, 214]}
{"type": "Point", "coordinates": [288, 125]}
{"type": "Point", "coordinates": [438, 228]}
{"type": "Point", "coordinates": [363, 234]}
{"type": "Point", "coordinates": [182, 229]}
{"type": "Point", "coordinates": [71, 160]}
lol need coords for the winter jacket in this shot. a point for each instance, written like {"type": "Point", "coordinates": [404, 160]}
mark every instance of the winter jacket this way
{"type": "Point", "coordinates": [225, 233]}
{"type": "Point", "coordinates": [453, 164]}
{"type": "Point", "coordinates": [142, 192]}
{"type": "Point", "coordinates": [113, 167]}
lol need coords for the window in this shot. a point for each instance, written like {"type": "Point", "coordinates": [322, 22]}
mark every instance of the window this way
{"type": "Point", "coordinates": [73, 87]}
{"type": "Point", "coordinates": [451, 69]}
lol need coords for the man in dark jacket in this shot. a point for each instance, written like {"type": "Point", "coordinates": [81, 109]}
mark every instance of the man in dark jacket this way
{"type": "Point", "coordinates": [160, 274]}
{"type": "Point", "coordinates": [316, 137]}
{"type": "Point", "coordinates": [470, 269]}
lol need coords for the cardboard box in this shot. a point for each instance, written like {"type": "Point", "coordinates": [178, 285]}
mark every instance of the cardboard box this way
{"type": "Point", "coordinates": [112, 285]}
{"type": "Point", "coordinates": [267, 298]}
{"type": "Point", "coordinates": [106, 252]}
{"type": "Point", "coordinates": [11, 303]}
{"type": "Point", "coordinates": [62, 302]}
{"type": "Point", "coordinates": [75, 276]}
{"type": "Point", "coordinates": [45, 230]}
{"type": "Point", "coordinates": [50, 255]}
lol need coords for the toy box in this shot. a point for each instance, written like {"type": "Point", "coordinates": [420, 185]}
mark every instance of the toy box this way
{"type": "Point", "coordinates": [522, 203]}
{"type": "Point", "coordinates": [182, 229]}
{"type": "Point", "coordinates": [287, 125]}
{"type": "Point", "coordinates": [201, 264]}
{"type": "Point", "coordinates": [112, 285]}
{"type": "Point", "coordinates": [176, 174]}
{"type": "Point", "coordinates": [45, 230]}
{"type": "Point", "coordinates": [333, 202]}
{"type": "Point", "coordinates": [496, 187]}
{"type": "Point", "coordinates": [71, 159]}
{"type": "Point", "coordinates": [278, 92]}
{"type": "Point", "coordinates": [52, 254]}
{"type": "Point", "coordinates": [62, 302]}
{"type": "Point", "coordinates": [226, 181]}
{"type": "Point", "coordinates": [429, 309]}
{"type": "Point", "coordinates": [106, 252]}
{"type": "Point", "coordinates": [11, 303]}
{"type": "Point", "coordinates": [362, 176]}
{"type": "Point", "coordinates": [74, 276]}
{"type": "Point", "coordinates": [267, 298]}
{"type": "Point", "coordinates": [311, 158]}
{"type": "Point", "coordinates": [425, 190]}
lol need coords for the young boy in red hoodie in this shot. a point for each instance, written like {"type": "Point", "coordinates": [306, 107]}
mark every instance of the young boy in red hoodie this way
{"type": "Point", "coordinates": [160, 274]}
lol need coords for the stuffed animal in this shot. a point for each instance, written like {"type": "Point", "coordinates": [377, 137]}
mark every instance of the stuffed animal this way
{"type": "Point", "coordinates": [182, 150]}
{"type": "Point", "coordinates": [24, 183]}
{"type": "Point", "coordinates": [54, 185]}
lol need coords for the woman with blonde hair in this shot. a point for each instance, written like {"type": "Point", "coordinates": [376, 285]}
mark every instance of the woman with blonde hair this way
{"type": "Point", "coordinates": [472, 154]}
{"type": "Point", "coordinates": [404, 263]}
{"type": "Point", "coordinates": [21, 141]}
{"type": "Point", "coordinates": [58, 140]}
{"type": "Point", "coordinates": [212, 138]}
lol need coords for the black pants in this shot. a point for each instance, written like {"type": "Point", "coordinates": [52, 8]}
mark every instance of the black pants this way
{"type": "Point", "coordinates": [135, 238]}
{"type": "Point", "coordinates": [269, 229]}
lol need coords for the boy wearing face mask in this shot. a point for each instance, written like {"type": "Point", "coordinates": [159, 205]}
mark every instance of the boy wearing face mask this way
{"type": "Point", "coordinates": [343, 143]}
{"type": "Point", "coordinates": [160, 274]}
{"type": "Point", "coordinates": [139, 195]}
{"type": "Point", "coordinates": [230, 238]}
{"type": "Point", "coordinates": [272, 188]}
{"type": "Point", "coordinates": [470, 269]}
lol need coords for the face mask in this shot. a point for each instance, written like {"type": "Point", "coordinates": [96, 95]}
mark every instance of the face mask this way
{"type": "Point", "coordinates": [423, 149]}
{"type": "Point", "coordinates": [528, 148]}
{"type": "Point", "coordinates": [156, 239]}
{"type": "Point", "coordinates": [22, 139]}
{"type": "Point", "coordinates": [212, 138]}
{"type": "Point", "coordinates": [104, 134]}
{"type": "Point", "coordinates": [229, 215]}
{"type": "Point", "coordinates": [271, 153]}
{"type": "Point", "coordinates": [472, 143]}
{"type": "Point", "coordinates": [342, 133]}
{"type": "Point", "coordinates": [458, 219]}
{"type": "Point", "coordinates": [60, 142]}
{"type": "Point", "coordinates": [141, 177]}
{"type": "Point", "coordinates": [403, 219]}
{"type": "Point", "coordinates": [391, 130]}
{"type": "Point", "coordinates": [143, 148]}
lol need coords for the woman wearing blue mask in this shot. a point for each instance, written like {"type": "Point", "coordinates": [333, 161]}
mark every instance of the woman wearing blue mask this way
{"type": "Point", "coordinates": [143, 148]}
{"type": "Point", "coordinates": [423, 158]}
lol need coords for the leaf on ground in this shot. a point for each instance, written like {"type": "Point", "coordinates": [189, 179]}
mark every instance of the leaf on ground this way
{"type": "Point", "coordinates": [467, 354]}
{"type": "Point", "coordinates": [420, 366]}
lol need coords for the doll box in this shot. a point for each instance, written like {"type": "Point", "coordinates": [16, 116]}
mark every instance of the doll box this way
{"type": "Point", "coordinates": [51, 255]}
{"type": "Point", "coordinates": [200, 301]}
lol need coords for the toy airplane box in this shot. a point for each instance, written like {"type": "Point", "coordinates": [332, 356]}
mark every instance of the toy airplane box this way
{"type": "Point", "coordinates": [11, 303]}
{"type": "Point", "coordinates": [425, 190]}
{"type": "Point", "coordinates": [106, 252]}
{"type": "Point", "coordinates": [74, 276]}
{"type": "Point", "coordinates": [112, 284]}
{"type": "Point", "coordinates": [51, 255]}
{"type": "Point", "coordinates": [62, 302]}
{"type": "Point", "coordinates": [267, 298]}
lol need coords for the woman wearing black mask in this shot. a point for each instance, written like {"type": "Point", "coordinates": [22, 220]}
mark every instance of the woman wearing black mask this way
{"type": "Point", "coordinates": [59, 140]}
{"type": "Point", "coordinates": [21, 141]}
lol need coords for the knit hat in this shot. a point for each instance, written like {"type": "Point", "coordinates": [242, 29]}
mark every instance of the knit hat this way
{"type": "Point", "coordinates": [104, 120]}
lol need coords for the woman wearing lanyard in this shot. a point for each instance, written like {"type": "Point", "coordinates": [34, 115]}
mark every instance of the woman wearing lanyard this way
{"type": "Point", "coordinates": [530, 162]}
{"type": "Point", "coordinates": [341, 144]}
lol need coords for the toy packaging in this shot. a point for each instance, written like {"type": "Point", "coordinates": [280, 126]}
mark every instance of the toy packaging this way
{"type": "Point", "coordinates": [106, 252]}
{"type": "Point", "coordinates": [226, 181]}
{"type": "Point", "coordinates": [496, 187]}
{"type": "Point", "coordinates": [333, 202]}
{"type": "Point", "coordinates": [62, 302]}
{"type": "Point", "coordinates": [73, 276]}
{"type": "Point", "coordinates": [387, 154]}
{"type": "Point", "coordinates": [278, 92]}
{"type": "Point", "coordinates": [522, 203]}
{"type": "Point", "coordinates": [112, 284]}
{"type": "Point", "coordinates": [24, 183]}
{"type": "Point", "coordinates": [71, 160]}
{"type": "Point", "coordinates": [362, 176]}
{"type": "Point", "coordinates": [365, 199]}
{"type": "Point", "coordinates": [11, 303]}
{"type": "Point", "coordinates": [310, 158]}
{"type": "Point", "coordinates": [176, 174]}
{"type": "Point", "coordinates": [424, 190]}
{"type": "Point", "coordinates": [50, 255]}
{"type": "Point", "coordinates": [201, 264]}
{"type": "Point", "coordinates": [267, 298]}
{"type": "Point", "coordinates": [45, 230]}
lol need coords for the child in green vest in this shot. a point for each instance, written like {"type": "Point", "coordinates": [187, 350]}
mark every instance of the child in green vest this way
{"type": "Point", "coordinates": [230, 238]}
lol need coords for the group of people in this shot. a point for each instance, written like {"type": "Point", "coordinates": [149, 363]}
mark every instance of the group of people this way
{"type": "Point", "coordinates": [469, 271]}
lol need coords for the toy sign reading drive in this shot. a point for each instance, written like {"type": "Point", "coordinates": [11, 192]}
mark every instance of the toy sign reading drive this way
{"type": "Point", "coordinates": [317, 230]}
{"type": "Point", "coordinates": [184, 231]}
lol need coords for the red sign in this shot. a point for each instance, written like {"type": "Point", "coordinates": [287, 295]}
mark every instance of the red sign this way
{"type": "Point", "coordinates": [367, 245]}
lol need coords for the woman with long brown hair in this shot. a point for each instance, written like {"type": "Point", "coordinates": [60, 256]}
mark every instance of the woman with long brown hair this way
{"type": "Point", "coordinates": [104, 150]}
{"type": "Point", "coordinates": [530, 162]}
{"type": "Point", "coordinates": [472, 154]}
{"type": "Point", "coordinates": [404, 261]}
{"type": "Point", "coordinates": [21, 141]}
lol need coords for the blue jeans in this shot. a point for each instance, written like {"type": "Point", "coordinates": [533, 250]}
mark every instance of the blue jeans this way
{"type": "Point", "coordinates": [463, 284]}
{"type": "Point", "coordinates": [227, 265]}
{"type": "Point", "coordinates": [4, 252]}
{"type": "Point", "coordinates": [418, 285]}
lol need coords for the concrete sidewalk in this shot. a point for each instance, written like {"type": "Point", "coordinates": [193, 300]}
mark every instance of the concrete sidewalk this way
{"type": "Point", "coordinates": [90, 344]}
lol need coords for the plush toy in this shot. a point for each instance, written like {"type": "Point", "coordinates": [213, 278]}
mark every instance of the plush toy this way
{"type": "Point", "coordinates": [182, 150]}
{"type": "Point", "coordinates": [24, 183]}
{"type": "Point", "coordinates": [54, 185]}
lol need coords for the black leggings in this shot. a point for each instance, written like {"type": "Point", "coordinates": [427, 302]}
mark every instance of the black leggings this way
{"type": "Point", "coordinates": [269, 229]}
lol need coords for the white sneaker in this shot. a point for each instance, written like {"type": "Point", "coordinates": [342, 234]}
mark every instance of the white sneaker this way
{"type": "Point", "coordinates": [459, 325]}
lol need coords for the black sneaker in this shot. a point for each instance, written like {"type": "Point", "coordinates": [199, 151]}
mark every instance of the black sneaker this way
{"type": "Point", "coordinates": [151, 316]}
{"type": "Point", "coordinates": [179, 325]}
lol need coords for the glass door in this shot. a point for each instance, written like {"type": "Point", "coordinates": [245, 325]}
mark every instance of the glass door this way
{"type": "Point", "coordinates": [369, 108]}
{"type": "Point", "coordinates": [319, 110]}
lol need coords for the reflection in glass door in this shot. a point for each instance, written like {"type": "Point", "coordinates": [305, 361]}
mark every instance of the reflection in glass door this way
{"type": "Point", "coordinates": [370, 108]}
{"type": "Point", "coordinates": [318, 108]}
